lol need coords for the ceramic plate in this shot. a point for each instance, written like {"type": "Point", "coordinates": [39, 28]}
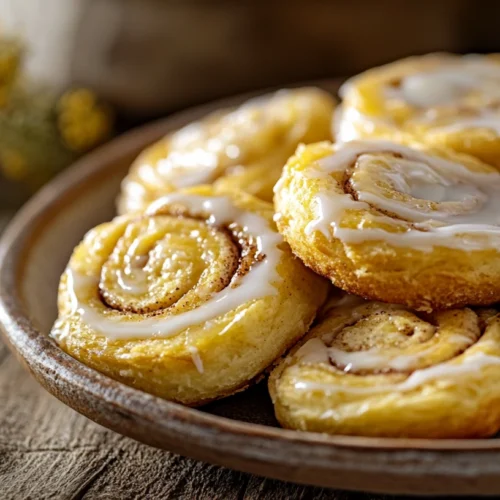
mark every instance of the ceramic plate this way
{"type": "Point", "coordinates": [239, 432]}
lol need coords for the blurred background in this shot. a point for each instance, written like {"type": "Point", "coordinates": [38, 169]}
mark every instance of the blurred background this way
{"type": "Point", "coordinates": [75, 72]}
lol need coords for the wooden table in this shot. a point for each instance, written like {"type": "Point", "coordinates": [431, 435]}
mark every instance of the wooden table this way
{"type": "Point", "coordinates": [48, 451]}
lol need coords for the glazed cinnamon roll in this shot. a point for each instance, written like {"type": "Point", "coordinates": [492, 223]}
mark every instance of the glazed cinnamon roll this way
{"type": "Point", "coordinates": [243, 148]}
{"type": "Point", "coordinates": [176, 302]}
{"type": "Point", "coordinates": [374, 369]}
{"type": "Point", "coordinates": [440, 99]}
{"type": "Point", "coordinates": [392, 222]}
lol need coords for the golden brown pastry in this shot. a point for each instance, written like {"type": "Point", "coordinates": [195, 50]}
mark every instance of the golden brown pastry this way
{"type": "Point", "coordinates": [440, 99]}
{"type": "Point", "coordinates": [243, 148]}
{"type": "Point", "coordinates": [398, 223]}
{"type": "Point", "coordinates": [374, 369]}
{"type": "Point", "coordinates": [177, 302]}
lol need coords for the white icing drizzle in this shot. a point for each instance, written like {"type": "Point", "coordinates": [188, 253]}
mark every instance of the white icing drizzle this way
{"type": "Point", "coordinates": [133, 279]}
{"type": "Point", "coordinates": [202, 151]}
{"type": "Point", "coordinates": [184, 169]}
{"type": "Point", "coordinates": [133, 286]}
{"type": "Point", "coordinates": [350, 124]}
{"type": "Point", "coordinates": [195, 356]}
{"type": "Point", "coordinates": [469, 201]}
{"type": "Point", "coordinates": [343, 125]}
{"type": "Point", "coordinates": [449, 82]}
{"type": "Point", "coordinates": [328, 213]}
{"type": "Point", "coordinates": [432, 89]}
{"type": "Point", "coordinates": [446, 85]}
{"type": "Point", "coordinates": [316, 351]}
{"type": "Point", "coordinates": [313, 351]}
{"type": "Point", "coordinates": [444, 373]}
{"type": "Point", "coordinates": [259, 282]}
{"type": "Point", "coordinates": [376, 359]}
{"type": "Point", "coordinates": [179, 169]}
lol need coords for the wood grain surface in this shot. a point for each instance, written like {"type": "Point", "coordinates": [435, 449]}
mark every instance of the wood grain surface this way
{"type": "Point", "coordinates": [48, 451]}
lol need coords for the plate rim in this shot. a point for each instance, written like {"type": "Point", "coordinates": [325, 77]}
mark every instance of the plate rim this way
{"type": "Point", "coordinates": [56, 370]}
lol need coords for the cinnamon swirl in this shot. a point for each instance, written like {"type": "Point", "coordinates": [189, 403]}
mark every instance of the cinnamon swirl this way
{"type": "Point", "coordinates": [243, 148]}
{"type": "Point", "coordinates": [374, 369]}
{"type": "Point", "coordinates": [176, 302]}
{"type": "Point", "coordinates": [399, 223]}
{"type": "Point", "coordinates": [440, 99]}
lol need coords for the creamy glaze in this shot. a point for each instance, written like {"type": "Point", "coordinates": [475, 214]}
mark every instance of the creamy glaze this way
{"type": "Point", "coordinates": [449, 83]}
{"type": "Point", "coordinates": [445, 373]}
{"type": "Point", "coordinates": [259, 282]}
{"type": "Point", "coordinates": [452, 223]}
{"type": "Point", "coordinates": [195, 356]}
{"type": "Point", "coordinates": [316, 351]}
{"type": "Point", "coordinates": [350, 124]}
{"type": "Point", "coordinates": [329, 212]}
{"type": "Point", "coordinates": [344, 124]}
{"type": "Point", "coordinates": [133, 278]}
{"type": "Point", "coordinates": [179, 169]}
{"type": "Point", "coordinates": [184, 169]}
{"type": "Point", "coordinates": [313, 351]}
{"type": "Point", "coordinates": [136, 285]}
{"type": "Point", "coordinates": [201, 152]}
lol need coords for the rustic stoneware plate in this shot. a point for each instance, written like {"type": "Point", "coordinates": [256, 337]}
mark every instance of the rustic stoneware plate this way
{"type": "Point", "coordinates": [239, 432]}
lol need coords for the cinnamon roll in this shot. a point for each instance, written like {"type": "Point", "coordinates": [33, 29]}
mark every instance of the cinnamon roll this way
{"type": "Point", "coordinates": [243, 148]}
{"type": "Point", "coordinates": [176, 301]}
{"type": "Point", "coordinates": [397, 223]}
{"type": "Point", "coordinates": [440, 99]}
{"type": "Point", "coordinates": [374, 369]}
